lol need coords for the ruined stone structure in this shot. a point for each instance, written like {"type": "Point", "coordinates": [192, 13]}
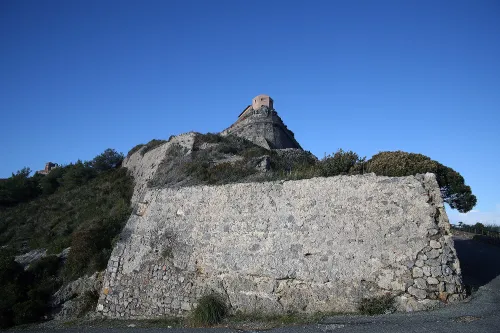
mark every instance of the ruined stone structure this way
{"type": "Point", "coordinates": [312, 245]}
{"type": "Point", "coordinates": [48, 167]}
{"type": "Point", "coordinates": [260, 123]}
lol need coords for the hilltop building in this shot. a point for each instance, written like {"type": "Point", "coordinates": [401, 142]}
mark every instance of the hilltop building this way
{"type": "Point", "coordinates": [48, 167]}
{"type": "Point", "coordinates": [260, 123]}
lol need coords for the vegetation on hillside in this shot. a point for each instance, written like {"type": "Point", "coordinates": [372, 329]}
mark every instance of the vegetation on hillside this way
{"type": "Point", "coordinates": [25, 294]}
{"type": "Point", "coordinates": [488, 233]}
{"type": "Point", "coordinates": [219, 159]}
{"type": "Point", "coordinates": [83, 205]}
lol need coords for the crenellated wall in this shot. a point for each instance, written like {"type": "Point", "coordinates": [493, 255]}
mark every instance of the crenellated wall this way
{"type": "Point", "coordinates": [312, 245]}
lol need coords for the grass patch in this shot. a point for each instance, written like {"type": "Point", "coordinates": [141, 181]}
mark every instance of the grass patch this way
{"type": "Point", "coordinates": [210, 310]}
{"type": "Point", "coordinates": [376, 305]}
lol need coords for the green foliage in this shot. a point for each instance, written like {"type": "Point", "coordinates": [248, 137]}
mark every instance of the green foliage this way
{"type": "Point", "coordinates": [340, 163]}
{"type": "Point", "coordinates": [479, 226]}
{"type": "Point", "coordinates": [88, 218]}
{"type": "Point", "coordinates": [493, 240]}
{"type": "Point", "coordinates": [217, 159]}
{"type": "Point", "coordinates": [50, 221]}
{"type": "Point", "coordinates": [25, 295]}
{"type": "Point", "coordinates": [28, 311]}
{"type": "Point", "coordinates": [134, 149]}
{"type": "Point", "coordinates": [201, 166]}
{"type": "Point", "coordinates": [376, 305]}
{"type": "Point", "coordinates": [20, 187]}
{"type": "Point", "coordinates": [152, 145]}
{"type": "Point", "coordinates": [209, 311]}
{"type": "Point", "coordinates": [492, 227]}
{"type": "Point", "coordinates": [90, 299]}
{"type": "Point", "coordinates": [51, 182]}
{"type": "Point", "coordinates": [78, 174]}
{"type": "Point", "coordinates": [109, 159]}
{"type": "Point", "coordinates": [483, 233]}
{"type": "Point", "coordinates": [397, 163]}
{"type": "Point", "coordinates": [91, 246]}
{"type": "Point", "coordinates": [46, 267]}
{"type": "Point", "coordinates": [84, 205]}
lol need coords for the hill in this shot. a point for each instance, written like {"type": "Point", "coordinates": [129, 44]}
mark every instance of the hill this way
{"type": "Point", "coordinates": [84, 206]}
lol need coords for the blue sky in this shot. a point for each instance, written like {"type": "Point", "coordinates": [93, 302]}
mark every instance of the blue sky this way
{"type": "Point", "coordinates": [77, 77]}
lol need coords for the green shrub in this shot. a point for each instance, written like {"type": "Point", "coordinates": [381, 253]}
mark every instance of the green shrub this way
{"type": "Point", "coordinates": [487, 239]}
{"type": "Point", "coordinates": [398, 163]}
{"type": "Point", "coordinates": [50, 221]}
{"type": "Point", "coordinates": [45, 267]}
{"type": "Point", "coordinates": [209, 311]}
{"type": "Point", "coordinates": [28, 311]}
{"type": "Point", "coordinates": [376, 305]}
{"type": "Point", "coordinates": [340, 163]}
{"type": "Point", "coordinates": [51, 182]}
{"type": "Point", "coordinates": [85, 205]}
{"type": "Point", "coordinates": [91, 246]}
{"type": "Point", "coordinates": [134, 149]}
{"type": "Point", "coordinates": [152, 145]}
{"type": "Point", "coordinates": [78, 174]}
{"type": "Point", "coordinates": [109, 159]}
{"type": "Point", "coordinates": [20, 187]}
{"type": "Point", "coordinates": [25, 295]}
{"type": "Point", "coordinates": [90, 299]}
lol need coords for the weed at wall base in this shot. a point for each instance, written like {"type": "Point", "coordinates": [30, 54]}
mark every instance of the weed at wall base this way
{"type": "Point", "coordinates": [209, 311]}
{"type": "Point", "coordinates": [377, 305]}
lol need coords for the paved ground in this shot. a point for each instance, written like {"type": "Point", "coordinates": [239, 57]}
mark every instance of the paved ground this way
{"type": "Point", "coordinates": [480, 262]}
{"type": "Point", "coordinates": [481, 313]}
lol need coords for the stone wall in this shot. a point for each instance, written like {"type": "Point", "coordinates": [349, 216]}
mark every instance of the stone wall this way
{"type": "Point", "coordinates": [312, 245]}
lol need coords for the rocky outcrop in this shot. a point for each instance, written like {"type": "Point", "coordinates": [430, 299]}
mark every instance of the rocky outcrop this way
{"type": "Point", "coordinates": [321, 244]}
{"type": "Point", "coordinates": [77, 297]}
{"type": "Point", "coordinates": [143, 165]}
{"type": "Point", "coordinates": [34, 255]}
{"type": "Point", "coordinates": [265, 128]}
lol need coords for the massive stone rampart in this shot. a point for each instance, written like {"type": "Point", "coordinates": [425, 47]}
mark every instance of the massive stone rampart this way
{"type": "Point", "coordinates": [312, 245]}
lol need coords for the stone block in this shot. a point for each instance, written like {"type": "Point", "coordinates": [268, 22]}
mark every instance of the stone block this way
{"type": "Point", "coordinates": [418, 293]}
{"type": "Point", "coordinates": [432, 280]}
{"type": "Point", "coordinates": [417, 272]}
{"type": "Point", "coordinates": [435, 244]}
{"type": "Point", "coordinates": [420, 283]}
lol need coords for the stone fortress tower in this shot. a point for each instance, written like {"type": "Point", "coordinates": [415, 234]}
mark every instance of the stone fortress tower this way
{"type": "Point", "coordinates": [260, 123]}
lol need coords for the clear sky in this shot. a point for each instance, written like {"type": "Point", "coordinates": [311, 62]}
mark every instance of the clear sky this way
{"type": "Point", "coordinates": [77, 77]}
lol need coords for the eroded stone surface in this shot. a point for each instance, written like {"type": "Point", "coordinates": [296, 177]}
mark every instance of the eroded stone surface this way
{"type": "Point", "coordinates": [144, 167]}
{"type": "Point", "coordinates": [312, 245]}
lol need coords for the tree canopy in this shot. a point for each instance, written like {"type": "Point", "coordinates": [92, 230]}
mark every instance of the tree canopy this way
{"type": "Point", "coordinates": [398, 163]}
{"type": "Point", "coordinates": [109, 159]}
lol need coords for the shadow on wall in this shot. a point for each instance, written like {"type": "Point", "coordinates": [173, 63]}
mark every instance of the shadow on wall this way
{"type": "Point", "coordinates": [480, 262]}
